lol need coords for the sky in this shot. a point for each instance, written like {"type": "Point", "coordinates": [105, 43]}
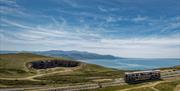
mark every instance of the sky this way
{"type": "Point", "coordinates": [124, 28]}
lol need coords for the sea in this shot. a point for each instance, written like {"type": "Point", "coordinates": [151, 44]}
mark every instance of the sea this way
{"type": "Point", "coordinates": [134, 63]}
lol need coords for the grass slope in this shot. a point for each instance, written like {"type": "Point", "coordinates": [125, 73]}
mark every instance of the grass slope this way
{"type": "Point", "coordinates": [170, 85]}
{"type": "Point", "coordinates": [88, 73]}
{"type": "Point", "coordinates": [14, 66]}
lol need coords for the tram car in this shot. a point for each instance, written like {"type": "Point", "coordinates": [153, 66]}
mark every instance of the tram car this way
{"type": "Point", "coordinates": [141, 76]}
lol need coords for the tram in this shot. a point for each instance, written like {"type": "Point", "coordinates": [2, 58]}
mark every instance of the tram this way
{"type": "Point", "coordinates": [140, 76]}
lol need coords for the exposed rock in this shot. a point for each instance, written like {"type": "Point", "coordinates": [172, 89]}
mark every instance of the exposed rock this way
{"type": "Point", "coordinates": [53, 63]}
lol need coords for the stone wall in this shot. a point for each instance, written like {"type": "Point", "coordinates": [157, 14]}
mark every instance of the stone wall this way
{"type": "Point", "coordinates": [53, 63]}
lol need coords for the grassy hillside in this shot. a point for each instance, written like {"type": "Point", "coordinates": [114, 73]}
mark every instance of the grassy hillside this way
{"type": "Point", "coordinates": [14, 65]}
{"type": "Point", "coordinates": [88, 73]}
{"type": "Point", "coordinates": [171, 85]}
{"type": "Point", "coordinates": [17, 61]}
{"type": "Point", "coordinates": [14, 72]}
{"type": "Point", "coordinates": [171, 68]}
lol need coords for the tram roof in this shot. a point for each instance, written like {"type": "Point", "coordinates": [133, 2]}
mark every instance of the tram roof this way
{"type": "Point", "coordinates": [147, 71]}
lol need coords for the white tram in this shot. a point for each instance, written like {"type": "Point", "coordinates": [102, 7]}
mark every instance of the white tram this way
{"type": "Point", "coordinates": [139, 76]}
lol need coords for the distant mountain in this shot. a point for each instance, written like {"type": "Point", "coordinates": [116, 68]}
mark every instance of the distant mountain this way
{"type": "Point", "coordinates": [6, 52]}
{"type": "Point", "coordinates": [69, 54]}
{"type": "Point", "coordinates": [75, 54]}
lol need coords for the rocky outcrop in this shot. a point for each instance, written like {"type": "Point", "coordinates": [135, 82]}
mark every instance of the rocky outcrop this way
{"type": "Point", "coordinates": [53, 63]}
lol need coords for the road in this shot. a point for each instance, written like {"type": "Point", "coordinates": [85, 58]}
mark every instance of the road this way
{"type": "Point", "coordinates": [116, 82]}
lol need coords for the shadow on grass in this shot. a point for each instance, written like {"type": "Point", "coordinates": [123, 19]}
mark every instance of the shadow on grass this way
{"type": "Point", "coordinates": [138, 82]}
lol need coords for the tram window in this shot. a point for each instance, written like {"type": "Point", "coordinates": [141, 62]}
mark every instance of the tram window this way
{"type": "Point", "coordinates": [126, 76]}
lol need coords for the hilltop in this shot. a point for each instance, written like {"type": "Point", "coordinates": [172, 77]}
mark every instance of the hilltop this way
{"type": "Point", "coordinates": [75, 54]}
{"type": "Point", "coordinates": [16, 71]}
{"type": "Point", "coordinates": [32, 70]}
{"type": "Point", "coordinates": [67, 54]}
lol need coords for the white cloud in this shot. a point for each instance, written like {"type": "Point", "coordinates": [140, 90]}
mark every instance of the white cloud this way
{"type": "Point", "coordinates": [171, 26]}
{"type": "Point", "coordinates": [66, 37]}
{"type": "Point", "coordinates": [102, 9]}
{"type": "Point", "coordinates": [10, 6]}
{"type": "Point", "coordinates": [71, 3]}
{"type": "Point", "coordinates": [139, 18]}
{"type": "Point", "coordinates": [143, 41]}
{"type": "Point", "coordinates": [110, 19]}
{"type": "Point", "coordinates": [140, 47]}
{"type": "Point", "coordinates": [12, 23]}
{"type": "Point", "coordinates": [59, 33]}
{"type": "Point", "coordinates": [9, 2]}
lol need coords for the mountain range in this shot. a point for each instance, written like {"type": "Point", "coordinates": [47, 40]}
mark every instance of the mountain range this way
{"type": "Point", "coordinates": [68, 54]}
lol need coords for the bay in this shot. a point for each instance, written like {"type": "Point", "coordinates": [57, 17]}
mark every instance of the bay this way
{"type": "Point", "coordinates": [134, 63]}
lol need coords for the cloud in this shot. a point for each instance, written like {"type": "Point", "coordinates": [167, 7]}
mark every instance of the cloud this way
{"type": "Point", "coordinates": [110, 19]}
{"type": "Point", "coordinates": [107, 9]}
{"type": "Point", "coordinates": [11, 8]}
{"type": "Point", "coordinates": [102, 9]}
{"type": "Point", "coordinates": [101, 27]}
{"type": "Point", "coordinates": [171, 26]}
{"type": "Point", "coordinates": [12, 23]}
{"type": "Point", "coordinates": [9, 2]}
{"type": "Point", "coordinates": [139, 18]}
{"type": "Point", "coordinates": [71, 3]}
{"type": "Point", "coordinates": [142, 43]}
{"type": "Point", "coordinates": [60, 32]}
{"type": "Point", "coordinates": [144, 47]}
{"type": "Point", "coordinates": [66, 37]}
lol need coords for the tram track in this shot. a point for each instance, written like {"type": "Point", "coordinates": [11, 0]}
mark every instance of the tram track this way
{"type": "Point", "coordinates": [116, 82]}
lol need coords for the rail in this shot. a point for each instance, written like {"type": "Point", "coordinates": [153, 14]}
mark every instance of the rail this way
{"type": "Point", "coordinates": [116, 82]}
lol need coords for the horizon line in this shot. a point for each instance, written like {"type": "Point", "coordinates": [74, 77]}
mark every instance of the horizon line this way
{"type": "Point", "coordinates": [19, 51]}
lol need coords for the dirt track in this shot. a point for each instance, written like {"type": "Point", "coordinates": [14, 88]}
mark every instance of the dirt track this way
{"type": "Point", "coordinates": [147, 85]}
{"type": "Point", "coordinates": [65, 70]}
{"type": "Point", "coordinates": [177, 88]}
{"type": "Point", "coordinates": [153, 84]}
{"type": "Point", "coordinates": [117, 82]}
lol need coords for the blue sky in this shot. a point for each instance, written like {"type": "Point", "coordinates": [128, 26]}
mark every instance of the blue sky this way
{"type": "Point", "coordinates": [126, 28]}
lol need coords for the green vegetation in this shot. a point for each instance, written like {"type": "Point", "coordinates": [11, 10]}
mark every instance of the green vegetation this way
{"type": "Point", "coordinates": [13, 67]}
{"type": "Point", "coordinates": [21, 82]}
{"type": "Point", "coordinates": [171, 68]}
{"type": "Point", "coordinates": [87, 73]}
{"type": "Point", "coordinates": [115, 88]}
{"type": "Point", "coordinates": [164, 86]}
{"type": "Point", "coordinates": [167, 86]}
{"type": "Point", "coordinates": [143, 89]}
{"type": "Point", "coordinates": [14, 72]}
